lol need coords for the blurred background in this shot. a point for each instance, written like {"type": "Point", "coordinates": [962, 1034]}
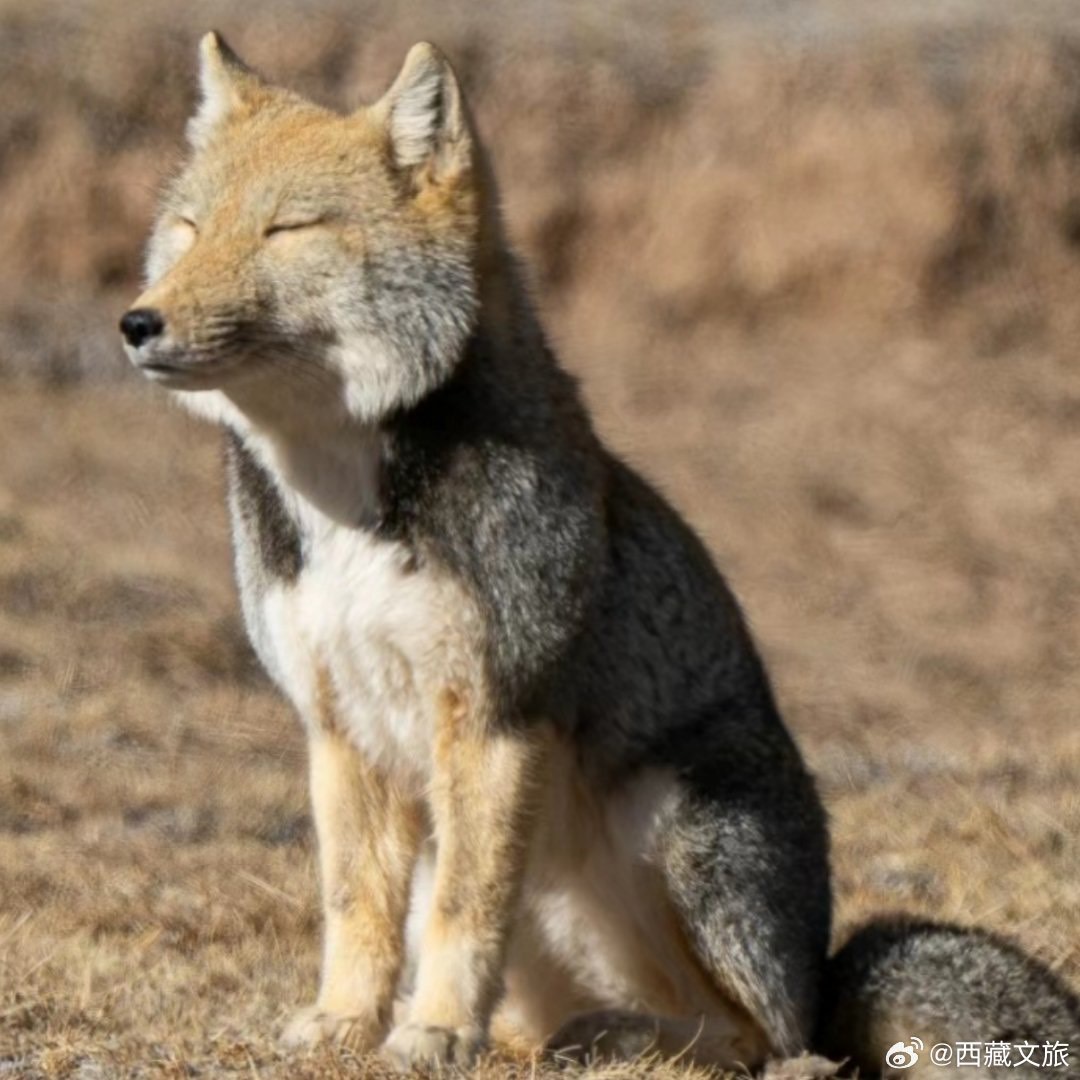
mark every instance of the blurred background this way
{"type": "Point", "coordinates": [817, 266]}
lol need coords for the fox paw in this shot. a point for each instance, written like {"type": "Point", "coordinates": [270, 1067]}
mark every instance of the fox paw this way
{"type": "Point", "coordinates": [609, 1035]}
{"type": "Point", "coordinates": [413, 1045]}
{"type": "Point", "coordinates": [314, 1026]}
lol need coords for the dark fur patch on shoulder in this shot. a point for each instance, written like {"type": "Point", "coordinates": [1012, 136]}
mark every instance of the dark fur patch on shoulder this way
{"type": "Point", "coordinates": [261, 509]}
{"type": "Point", "coordinates": [421, 443]}
{"type": "Point", "coordinates": [497, 476]}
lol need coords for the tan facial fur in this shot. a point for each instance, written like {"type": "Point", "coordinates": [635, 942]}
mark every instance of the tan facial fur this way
{"type": "Point", "coordinates": [282, 252]}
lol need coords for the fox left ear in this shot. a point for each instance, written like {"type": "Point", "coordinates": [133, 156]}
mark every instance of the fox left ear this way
{"type": "Point", "coordinates": [424, 113]}
{"type": "Point", "coordinates": [227, 84]}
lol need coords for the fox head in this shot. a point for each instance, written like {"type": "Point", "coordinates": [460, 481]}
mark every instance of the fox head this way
{"type": "Point", "coordinates": [312, 250]}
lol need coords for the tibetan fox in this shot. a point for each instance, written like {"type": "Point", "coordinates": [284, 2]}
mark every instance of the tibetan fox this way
{"type": "Point", "coordinates": [554, 799]}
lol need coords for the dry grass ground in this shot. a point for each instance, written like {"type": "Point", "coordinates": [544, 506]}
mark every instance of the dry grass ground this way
{"type": "Point", "coordinates": [159, 910]}
{"type": "Point", "coordinates": [825, 294]}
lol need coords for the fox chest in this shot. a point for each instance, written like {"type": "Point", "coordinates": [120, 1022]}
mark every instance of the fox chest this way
{"type": "Point", "coordinates": [366, 645]}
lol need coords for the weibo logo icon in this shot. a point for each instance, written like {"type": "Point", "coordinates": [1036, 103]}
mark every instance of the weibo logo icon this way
{"type": "Point", "coordinates": [903, 1055]}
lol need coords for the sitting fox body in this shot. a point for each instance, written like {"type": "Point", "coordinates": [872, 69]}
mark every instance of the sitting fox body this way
{"type": "Point", "coordinates": [553, 796]}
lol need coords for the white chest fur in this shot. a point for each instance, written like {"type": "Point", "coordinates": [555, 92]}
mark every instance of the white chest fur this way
{"type": "Point", "coordinates": [365, 644]}
{"type": "Point", "coordinates": [364, 641]}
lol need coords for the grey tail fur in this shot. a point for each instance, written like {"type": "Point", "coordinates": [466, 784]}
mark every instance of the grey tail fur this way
{"type": "Point", "coordinates": [898, 978]}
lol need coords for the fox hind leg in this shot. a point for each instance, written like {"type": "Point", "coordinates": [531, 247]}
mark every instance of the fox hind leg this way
{"type": "Point", "coordinates": [745, 860]}
{"type": "Point", "coordinates": [698, 922]}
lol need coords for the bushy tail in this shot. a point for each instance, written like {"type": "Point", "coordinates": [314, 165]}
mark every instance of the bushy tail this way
{"type": "Point", "coordinates": [901, 979]}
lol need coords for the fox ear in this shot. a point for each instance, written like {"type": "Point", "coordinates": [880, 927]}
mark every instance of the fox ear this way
{"type": "Point", "coordinates": [227, 86]}
{"type": "Point", "coordinates": [424, 114]}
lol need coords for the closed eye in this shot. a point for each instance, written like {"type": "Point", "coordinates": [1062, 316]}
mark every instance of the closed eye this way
{"type": "Point", "coordinates": [292, 226]}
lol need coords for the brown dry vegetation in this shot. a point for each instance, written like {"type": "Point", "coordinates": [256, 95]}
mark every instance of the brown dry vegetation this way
{"type": "Point", "coordinates": [818, 270]}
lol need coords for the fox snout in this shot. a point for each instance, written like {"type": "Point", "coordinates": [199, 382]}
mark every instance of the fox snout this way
{"type": "Point", "coordinates": [167, 346]}
{"type": "Point", "coordinates": [140, 325]}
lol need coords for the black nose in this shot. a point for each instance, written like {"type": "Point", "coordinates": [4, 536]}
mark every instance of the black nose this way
{"type": "Point", "coordinates": [139, 324]}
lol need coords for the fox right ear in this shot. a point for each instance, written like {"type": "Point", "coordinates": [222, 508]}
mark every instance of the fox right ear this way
{"type": "Point", "coordinates": [227, 85]}
{"type": "Point", "coordinates": [424, 114]}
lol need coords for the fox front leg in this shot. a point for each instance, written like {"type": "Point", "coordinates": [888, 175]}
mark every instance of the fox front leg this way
{"type": "Point", "coordinates": [483, 798]}
{"type": "Point", "coordinates": [369, 833]}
